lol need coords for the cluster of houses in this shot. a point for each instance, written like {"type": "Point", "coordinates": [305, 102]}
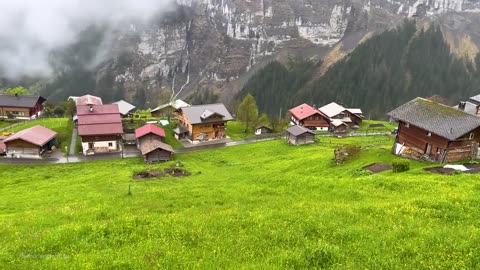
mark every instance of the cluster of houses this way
{"type": "Point", "coordinates": [427, 129]}
{"type": "Point", "coordinates": [305, 119]}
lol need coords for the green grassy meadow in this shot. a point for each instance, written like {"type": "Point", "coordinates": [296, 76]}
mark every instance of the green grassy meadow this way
{"type": "Point", "coordinates": [6, 123]}
{"type": "Point", "coordinates": [259, 206]}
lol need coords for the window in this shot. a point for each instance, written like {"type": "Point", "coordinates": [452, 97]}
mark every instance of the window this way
{"type": "Point", "coordinates": [472, 135]}
{"type": "Point", "coordinates": [407, 125]}
{"type": "Point", "coordinates": [429, 134]}
{"type": "Point", "coordinates": [110, 144]}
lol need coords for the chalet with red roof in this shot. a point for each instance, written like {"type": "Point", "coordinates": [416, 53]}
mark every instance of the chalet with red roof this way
{"type": "Point", "coordinates": [100, 127]}
{"type": "Point", "coordinates": [150, 142]}
{"type": "Point", "coordinates": [31, 142]}
{"type": "Point", "coordinates": [307, 116]}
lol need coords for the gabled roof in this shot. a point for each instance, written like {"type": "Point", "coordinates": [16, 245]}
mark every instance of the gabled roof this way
{"type": "Point", "coordinates": [149, 128]}
{"type": "Point", "coordinates": [298, 130]}
{"type": "Point", "coordinates": [338, 122]}
{"type": "Point", "coordinates": [194, 113]}
{"type": "Point", "coordinates": [436, 118]}
{"type": "Point", "coordinates": [332, 109]}
{"type": "Point", "coordinates": [303, 111]}
{"type": "Point", "coordinates": [357, 112]}
{"type": "Point", "coordinates": [177, 104]}
{"type": "Point", "coordinates": [20, 101]}
{"type": "Point", "coordinates": [36, 135]}
{"type": "Point", "coordinates": [99, 120]}
{"type": "Point", "coordinates": [149, 146]}
{"type": "Point", "coordinates": [124, 107]}
{"type": "Point", "coordinates": [475, 99]}
{"type": "Point", "coordinates": [86, 100]}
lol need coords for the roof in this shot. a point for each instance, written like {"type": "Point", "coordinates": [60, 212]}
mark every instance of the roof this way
{"type": "Point", "coordinates": [177, 104]}
{"type": "Point", "coordinates": [97, 109]}
{"type": "Point", "coordinates": [36, 135]}
{"type": "Point", "coordinates": [149, 128]}
{"type": "Point", "coordinates": [2, 145]}
{"type": "Point", "coordinates": [99, 120]}
{"type": "Point", "coordinates": [332, 109]}
{"type": "Point", "coordinates": [338, 122]}
{"type": "Point", "coordinates": [436, 118]}
{"type": "Point", "coordinates": [263, 126]}
{"type": "Point", "coordinates": [356, 111]}
{"type": "Point", "coordinates": [298, 130]}
{"type": "Point", "coordinates": [124, 107]}
{"type": "Point", "coordinates": [475, 99]}
{"type": "Point", "coordinates": [86, 100]}
{"type": "Point", "coordinates": [20, 101]}
{"type": "Point", "coordinates": [199, 113]}
{"type": "Point", "coordinates": [149, 146]}
{"type": "Point", "coordinates": [303, 111]}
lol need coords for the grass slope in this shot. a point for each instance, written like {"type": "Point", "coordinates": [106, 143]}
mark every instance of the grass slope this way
{"type": "Point", "coordinates": [264, 205]}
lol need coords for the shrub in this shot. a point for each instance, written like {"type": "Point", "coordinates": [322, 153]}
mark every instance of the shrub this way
{"type": "Point", "coordinates": [399, 166]}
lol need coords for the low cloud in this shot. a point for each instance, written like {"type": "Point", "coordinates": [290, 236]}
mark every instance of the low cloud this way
{"type": "Point", "coordinates": [31, 29]}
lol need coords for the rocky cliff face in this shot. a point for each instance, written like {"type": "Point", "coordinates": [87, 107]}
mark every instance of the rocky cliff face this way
{"type": "Point", "coordinates": [218, 44]}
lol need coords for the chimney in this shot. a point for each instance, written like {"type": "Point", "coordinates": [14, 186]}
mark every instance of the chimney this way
{"type": "Point", "coordinates": [461, 105]}
{"type": "Point", "coordinates": [91, 108]}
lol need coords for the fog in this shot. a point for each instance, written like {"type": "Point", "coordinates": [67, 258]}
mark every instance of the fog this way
{"type": "Point", "coordinates": [31, 29]}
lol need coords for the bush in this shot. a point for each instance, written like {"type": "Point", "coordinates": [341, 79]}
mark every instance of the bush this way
{"type": "Point", "coordinates": [399, 166]}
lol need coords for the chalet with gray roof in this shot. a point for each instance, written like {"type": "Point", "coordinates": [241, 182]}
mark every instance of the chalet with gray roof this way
{"type": "Point", "coordinates": [436, 132]}
{"type": "Point", "coordinates": [298, 135]}
{"type": "Point", "coordinates": [471, 106]}
{"type": "Point", "coordinates": [202, 122]}
{"type": "Point", "coordinates": [20, 106]}
{"type": "Point", "coordinates": [349, 116]}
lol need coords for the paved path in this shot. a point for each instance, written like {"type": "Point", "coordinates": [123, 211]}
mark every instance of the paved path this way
{"type": "Point", "coordinates": [73, 142]}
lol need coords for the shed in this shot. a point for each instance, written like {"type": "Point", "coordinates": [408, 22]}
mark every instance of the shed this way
{"type": "Point", "coordinates": [155, 151]}
{"type": "Point", "coordinates": [31, 141]}
{"type": "Point", "coordinates": [299, 135]}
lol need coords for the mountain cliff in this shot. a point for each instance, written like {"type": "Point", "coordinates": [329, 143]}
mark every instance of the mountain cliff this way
{"type": "Point", "coordinates": [217, 45]}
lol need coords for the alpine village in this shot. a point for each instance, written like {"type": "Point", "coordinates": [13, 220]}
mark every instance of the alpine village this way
{"type": "Point", "coordinates": [221, 134]}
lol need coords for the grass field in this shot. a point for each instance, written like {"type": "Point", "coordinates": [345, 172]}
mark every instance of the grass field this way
{"type": "Point", "coordinates": [63, 126]}
{"type": "Point", "coordinates": [236, 131]}
{"type": "Point", "coordinates": [258, 206]}
{"type": "Point", "coordinates": [365, 126]}
{"type": "Point", "coordinates": [6, 123]}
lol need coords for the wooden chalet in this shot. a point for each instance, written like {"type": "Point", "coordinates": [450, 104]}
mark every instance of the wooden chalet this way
{"type": "Point", "coordinates": [263, 129]}
{"type": "Point", "coordinates": [435, 132]}
{"type": "Point", "coordinates": [307, 116]}
{"type": "Point", "coordinates": [150, 142]}
{"type": "Point", "coordinates": [33, 141]}
{"type": "Point", "coordinates": [349, 116]}
{"type": "Point", "coordinates": [100, 127]}
{"type": "Point", "coordinates": [21, 107]}
{"type": "Point", "coordinates": [202, 122]}
{"type": "Point", "coordinates": [298, 135]}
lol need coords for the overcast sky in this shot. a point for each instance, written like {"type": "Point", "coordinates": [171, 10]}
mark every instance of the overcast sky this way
{"type": "Point", "coordinates": [31, 29]}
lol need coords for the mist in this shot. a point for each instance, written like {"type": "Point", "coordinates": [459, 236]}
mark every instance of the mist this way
{"type": "Point", "coordinates": [31, 29]}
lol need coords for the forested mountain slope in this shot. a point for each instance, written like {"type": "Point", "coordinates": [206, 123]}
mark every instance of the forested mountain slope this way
{"type": "Point", "coordinates": [380, 74]}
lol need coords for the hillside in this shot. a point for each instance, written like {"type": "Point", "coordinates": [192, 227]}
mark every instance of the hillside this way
{"type": "Point", "coordinates": [215, 46]}
{"type": "Point", "coordinates": [380, 74]}
{"type": "Point", "coordinates": [283, 207]}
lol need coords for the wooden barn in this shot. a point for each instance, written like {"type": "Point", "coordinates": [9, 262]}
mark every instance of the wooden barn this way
{"type": "Point", "coordinates": [435, 132]}
{"type": "Point", "coordinates": [298, 135]}
{"type": "Point", "coordinates": [155, 151]}
{"type": "Point", "coordinates": [150, 142]}
{"type": "Point", "coordinates": [31, 142]}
